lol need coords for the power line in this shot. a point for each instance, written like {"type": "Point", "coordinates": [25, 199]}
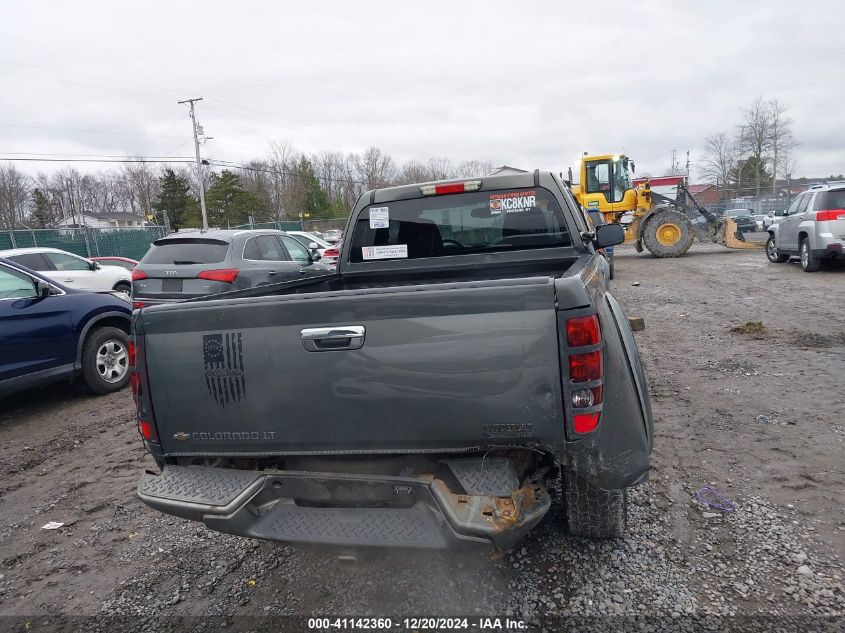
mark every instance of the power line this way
{"type": "Point", "coordinates": [94, 160]}
{"type": "Point", "coordinates": [64, 129]}
{"type": "Point", "coordinates": [57, 155]}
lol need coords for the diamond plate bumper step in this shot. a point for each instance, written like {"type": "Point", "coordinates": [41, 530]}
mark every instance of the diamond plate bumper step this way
{"type": "Point", "coordinates": [344, 509]}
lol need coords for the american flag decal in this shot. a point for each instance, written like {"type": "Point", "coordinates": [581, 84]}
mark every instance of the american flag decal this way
{"type": "Point", "coordinates": [224, 367]}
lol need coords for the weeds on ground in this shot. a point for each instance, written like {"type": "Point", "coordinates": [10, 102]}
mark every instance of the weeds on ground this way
{"type": "Point", "coordinates": [752, 327]}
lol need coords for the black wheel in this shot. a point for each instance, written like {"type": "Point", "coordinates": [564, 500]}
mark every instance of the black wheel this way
{"type": "Point", "coordinates": [123, 286]}
{"type": "Point", "coordinates": [105, 360]}
{"type": "Point", "coordinates": [809, 263]}
{"type": "Point", "coordinates": [772, 251]}
{"type": "Point", "coordinates": [593, 512]}
{"type": "Point", "coordinates": [668, 233]}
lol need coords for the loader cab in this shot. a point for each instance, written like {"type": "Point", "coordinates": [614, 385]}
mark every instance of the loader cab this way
{"type": "Point", "coordinates": [606, 184]}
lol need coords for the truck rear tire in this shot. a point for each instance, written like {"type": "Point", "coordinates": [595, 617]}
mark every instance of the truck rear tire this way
{"type": "Point", "coordinates": [593, 512]}
{"type": "Point", "coordinates": [668, 233]}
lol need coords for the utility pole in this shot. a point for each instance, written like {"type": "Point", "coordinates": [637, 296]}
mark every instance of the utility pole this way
{"type": "Point", "coordinates": [190, 103]}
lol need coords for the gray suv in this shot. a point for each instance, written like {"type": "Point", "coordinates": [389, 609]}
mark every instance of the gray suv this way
{"type": "Point", "coordinates": [191, 264]}
{"type": "Point", "coordinates": [813, 228]}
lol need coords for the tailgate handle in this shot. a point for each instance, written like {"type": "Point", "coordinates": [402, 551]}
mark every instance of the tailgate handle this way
{"type": "Point", "coordinates": [327, 339]}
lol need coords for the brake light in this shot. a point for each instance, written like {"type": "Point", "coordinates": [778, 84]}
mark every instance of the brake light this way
{"type": "Point", "coordinates": [586, 422]}
{"type": "Point", "coordinates": [584, 367]}
{"type": "Point", "coordinates": [453, 187]}
{"type": "Point", "coordinates": [583, 331]}
{"type": "Point", "coordinates": [331, 252]}
{"type": "Point", "coordinates": [226, 275]}
{"type": "Point", "coordinates": [830, 215]}
{"type": "Point", "coordinates": [146, 430]}
{"type": "Point", "coordinates": [137, 304]}
{"type": "Point", "coordinates": [138, 274]}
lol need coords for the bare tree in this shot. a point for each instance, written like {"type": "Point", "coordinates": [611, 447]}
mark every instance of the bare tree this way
{"type": "Point", "coordinates": [755, 138]}
{"type": "Point", "coordinates": [719, 159]}
{"type": "Point", "coordinates": [374, 168]}
{"type": "Point", "coordinates": [780, 136]}
{"type": "Point", "coordinates": [15, 196]}
{"type": "Point", "coordinates": [473, 168]}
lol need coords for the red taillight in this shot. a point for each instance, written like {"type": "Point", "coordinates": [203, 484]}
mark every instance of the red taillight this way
{"type": "Point", "coordinates": [146, 430]}
{"type": "Point", "coordinates": [331, 252]}
{"type": "Point", "coordinates": [583, 331]}
{"type": "Point", "coordinates": [830, 215]}
{"type": "Point", "coordinates": [588, 366]}
{"type": "Point", "coordinates": [130, 350]}
{"type": "Point", "coordinates": [586, 422]}
{"type": "Point", "coordinates": [138, 274]}
{"type": "Point", "coordinates": [226, 275]}
{"type": "Point", "coordinates": [597, 395]}
{"type": "Point", "coordinates": [452, 187]}
{"type": "Point", "coordinates": [137, 304]}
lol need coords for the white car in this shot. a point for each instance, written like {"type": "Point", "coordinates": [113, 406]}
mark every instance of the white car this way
{"type": "Point", "coordinates": [71, 270]}
{"type": "Point", "coordinates": [306, 239]}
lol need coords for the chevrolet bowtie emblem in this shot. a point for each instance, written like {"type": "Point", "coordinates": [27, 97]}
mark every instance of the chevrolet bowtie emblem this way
{"type": "Point", "coordinates": [181, 436]}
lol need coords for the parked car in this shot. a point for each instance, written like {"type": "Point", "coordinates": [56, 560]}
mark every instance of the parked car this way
{"type": "Point", "coordinates": [333, 236]}
{"type": "Point", "coordinates": [331, 254]}
{"type": "Point", "coordinates": [771, 217]}
{"type": "Point", "coordinates": [191, 264]}
{"type": "Point", "coordinates": [50, 332]}
{"type": "Point", "coordinates": [71, 269]}
{"type": "Point", "coordinates": [466, 357]}
{"type": "Point", "coordinates": [813, 228]}
{"type": "Point", "coordinates": [745, 222]}
{"type": "Point", "coordinates": [123, 262]}
{"type": "Point", "coordinates": [310, 241]}
{"type": "Point", "coordinates": [758, 219]}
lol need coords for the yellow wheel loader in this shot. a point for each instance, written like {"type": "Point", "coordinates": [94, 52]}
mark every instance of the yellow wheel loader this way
{"type": "Point", "coordinates": [660, 224]}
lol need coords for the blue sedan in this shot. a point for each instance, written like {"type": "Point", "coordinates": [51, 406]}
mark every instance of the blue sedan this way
{"type": "Point", "coordinates": [50, 333]}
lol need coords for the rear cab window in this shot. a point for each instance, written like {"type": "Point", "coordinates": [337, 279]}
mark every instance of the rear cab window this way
{"type": "Point", "coordinates": [185, 251]}
{"type": "Point", "coordinates": [459, 224]}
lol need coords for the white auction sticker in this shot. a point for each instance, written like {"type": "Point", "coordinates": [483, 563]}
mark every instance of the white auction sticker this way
{"type": "Point", "coordinates": [379, 218]}
{"type": "Point", "coordinates": [384, 252]}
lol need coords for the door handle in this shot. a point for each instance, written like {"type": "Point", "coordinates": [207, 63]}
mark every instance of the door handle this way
{"type": "Point", "coordinates": [67, 281]}
{"type": "Point", "coordinates": [326, 339]}
{"type": "Point", "coordinates": [301, 271]}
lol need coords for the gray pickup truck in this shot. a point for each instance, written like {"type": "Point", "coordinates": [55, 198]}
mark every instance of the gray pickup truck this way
{"type": "Point", "coordinates": [465, 356]}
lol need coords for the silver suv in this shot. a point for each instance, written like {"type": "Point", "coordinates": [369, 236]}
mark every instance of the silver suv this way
{"type": "Point", "coordinates": [813, 228]}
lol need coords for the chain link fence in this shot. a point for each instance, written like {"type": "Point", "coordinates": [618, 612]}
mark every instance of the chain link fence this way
{"type": "Point", "coordinates": [87, 241]}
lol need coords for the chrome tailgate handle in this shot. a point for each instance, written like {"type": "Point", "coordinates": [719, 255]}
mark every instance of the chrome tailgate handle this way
{"type": "Point", "coordinates": [327, 339]}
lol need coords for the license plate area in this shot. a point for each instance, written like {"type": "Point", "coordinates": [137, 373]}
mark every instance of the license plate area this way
{"type": "Point", "coordinates": [171, 285]}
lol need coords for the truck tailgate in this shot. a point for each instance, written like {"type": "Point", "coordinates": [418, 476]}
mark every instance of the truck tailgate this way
{"type": "Point", "coordinates": [442, 367]}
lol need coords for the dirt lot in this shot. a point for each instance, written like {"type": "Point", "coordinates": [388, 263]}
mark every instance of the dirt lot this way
{"type": "Point", "coordinates": [758, 415]}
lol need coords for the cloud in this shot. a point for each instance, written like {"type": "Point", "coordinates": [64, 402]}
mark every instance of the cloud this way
{"type": "Point", "coordinates": [532, 84]}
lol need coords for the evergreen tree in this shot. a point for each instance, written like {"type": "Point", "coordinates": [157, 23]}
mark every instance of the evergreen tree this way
{"type": "Point", "coordinates": [43, 215]}
{"type": "Point", "coordinates": [175, 199]}
{"type": "Point", "coordinates": [227, 202]}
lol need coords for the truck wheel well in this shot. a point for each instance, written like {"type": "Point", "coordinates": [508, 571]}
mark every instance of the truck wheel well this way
{"type": "Point", "coordinates": [802, 235]}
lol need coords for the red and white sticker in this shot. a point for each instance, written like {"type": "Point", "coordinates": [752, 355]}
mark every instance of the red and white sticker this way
{"type": "Point", "coordinates": [512, 201]}
{"type": "Point", "coordinates": [394, 251]}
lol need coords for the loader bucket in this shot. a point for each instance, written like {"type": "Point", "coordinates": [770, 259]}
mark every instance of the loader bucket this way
{"type": "Point", "coordinates": [732, 238]}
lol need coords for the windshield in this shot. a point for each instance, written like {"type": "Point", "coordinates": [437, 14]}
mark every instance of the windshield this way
{"type": "Point", "coordinates": [459, 224]}
{"type": "Point", "coordinates": [186, 251]}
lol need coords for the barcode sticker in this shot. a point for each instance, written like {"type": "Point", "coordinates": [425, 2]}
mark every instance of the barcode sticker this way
{"type": "Point", "coordinates": [395, 251]}
{"type": "Point", "coordinates": [379, 218]}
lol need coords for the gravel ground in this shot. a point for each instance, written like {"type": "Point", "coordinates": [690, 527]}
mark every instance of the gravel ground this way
{"type": "Point", "coordinates": [757, 415]}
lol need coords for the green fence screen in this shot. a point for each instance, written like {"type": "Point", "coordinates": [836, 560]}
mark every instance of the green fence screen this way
{"type": "Point", "coordinates": [87, 242]}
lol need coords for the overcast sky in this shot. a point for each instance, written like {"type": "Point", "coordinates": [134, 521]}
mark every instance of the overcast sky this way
{"type": "Point", "coordinates": [524, 83]}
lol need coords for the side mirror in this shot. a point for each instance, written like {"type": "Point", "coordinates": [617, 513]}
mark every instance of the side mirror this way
{"type": "Point", "coordinates": [609, 235]}
{"type": "Point", "coordinates": [42, 288]}
{"type": "Point", "coordinates": [95, 266]}
{"type": "Point", "coordinates": [315, 256]}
